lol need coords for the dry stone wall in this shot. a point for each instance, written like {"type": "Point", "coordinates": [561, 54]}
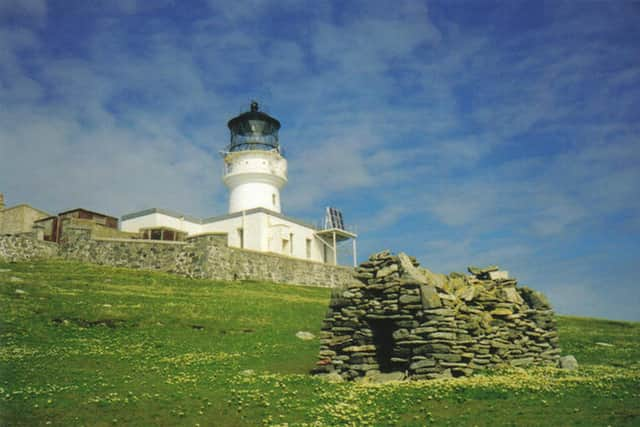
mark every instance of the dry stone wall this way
{"type": "Point", "coordinates": [205, 256]}
{"type": "Point", "coordinates": [228, 263]}
{"type": "Point", "coordinates": [78, 244]}
{"type": "Point", "coordinates": [400, 318]}
{"type": "Point", "coordinates": [25, 247]}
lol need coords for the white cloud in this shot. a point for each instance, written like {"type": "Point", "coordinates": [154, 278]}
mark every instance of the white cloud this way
{"type": "Point", "coordinates": [79, 148]}
{"type": "Point", "coordinates": [16, 86]}
{"type": "Point", "coordinates": [335, 165]}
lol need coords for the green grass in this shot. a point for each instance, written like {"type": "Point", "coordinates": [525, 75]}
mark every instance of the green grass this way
{"type": "Point", "coordinates": [98, 346]}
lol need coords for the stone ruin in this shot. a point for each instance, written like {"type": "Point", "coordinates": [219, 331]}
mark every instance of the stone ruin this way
{"type": "Point", "coordinates": [402, 319]}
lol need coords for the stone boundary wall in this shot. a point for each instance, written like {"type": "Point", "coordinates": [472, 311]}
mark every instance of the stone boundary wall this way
{"type": "Point", "coordinates": [78, 244]}
{"type": "Point", "coordinates": [204, 256]}
{"type": "Point", "coordinates": [25, 247]}
{"type": "Point", "coordinates": [404, 321]}
{"type": "Point", "coordinates": [227, 263]}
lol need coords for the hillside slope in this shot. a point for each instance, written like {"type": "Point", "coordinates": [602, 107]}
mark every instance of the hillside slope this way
{"type": "Point", "coordinates": [98, 346]}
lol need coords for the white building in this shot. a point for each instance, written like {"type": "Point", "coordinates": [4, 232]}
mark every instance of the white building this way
{"type": "Point", "coordinates": [254, 171]}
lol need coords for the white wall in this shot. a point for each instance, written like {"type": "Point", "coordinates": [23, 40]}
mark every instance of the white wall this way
{"type": "Point", "coordinates": [231, 227]}
{"type": "Point", "coordinates": [261, 232]}
{"type": "Point", "coordinates": [266, 233]}
{"type": "Point", "coordinates": [160, 220]}
{"type": "Point", "coordinates": [254, 179]}
{"type": "Point", "coordinates": [281, 229]}
{"type": "Point", "coordinates": [253, 194]}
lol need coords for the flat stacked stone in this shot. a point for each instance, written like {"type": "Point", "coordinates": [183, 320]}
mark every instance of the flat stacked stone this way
{"type": "Point", "coordinates": [400, 317]}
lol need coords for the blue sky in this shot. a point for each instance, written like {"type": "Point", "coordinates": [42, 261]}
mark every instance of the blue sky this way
{"type": "Point", "coordinates": [461, 132]}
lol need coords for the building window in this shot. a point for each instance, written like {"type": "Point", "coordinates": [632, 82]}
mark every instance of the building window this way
{"type": "Point", "coordinates": [285, 246]}
{"type": "Point", "coordinates": [273, 199]}
{"type": "Point", "coordinates": [308, 248]}
{"type": "Point", "coordinates": [290, 243]}
{"type": "Point", "coordinates": [241, 237]}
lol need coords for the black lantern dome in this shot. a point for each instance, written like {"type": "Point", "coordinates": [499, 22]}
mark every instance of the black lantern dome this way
{"type": "Point", "coordinates": [254, 130]}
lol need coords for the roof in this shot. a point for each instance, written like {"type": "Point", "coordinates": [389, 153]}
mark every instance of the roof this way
{"type": "Point", "coordinates": [24, 205]}
{"type": "Point", "coordinates": [160, 211]}
{"type": "Point", "coordinates": [254, 114]}
{"type": "Point", "coordinates": [46, 218]}
{"type": "Point", "coordinates": [161, 227]}
{"type": "Point", "coordinates": [339, 233]}
{"type": "Point", "coordinates": [87, 210]}
{"type": "Point", "coordinates": [258, 210]}
{"type": "Point", "coordinates": [215, 218]}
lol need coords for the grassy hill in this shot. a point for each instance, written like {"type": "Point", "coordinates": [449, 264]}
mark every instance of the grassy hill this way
{"type": "Point", "coordinates": [98, 346]}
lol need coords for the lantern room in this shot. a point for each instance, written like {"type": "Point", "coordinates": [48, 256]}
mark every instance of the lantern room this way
{"type": "Point", "coordinates": [254, 130]}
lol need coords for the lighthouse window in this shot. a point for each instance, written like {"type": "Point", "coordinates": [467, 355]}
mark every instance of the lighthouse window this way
{"type": "Point", "coordinates": [291, 243]}
{"type": "Point", "coordinates": [308, 248]}
{"type": "Point", "coordinates": [273, 200]}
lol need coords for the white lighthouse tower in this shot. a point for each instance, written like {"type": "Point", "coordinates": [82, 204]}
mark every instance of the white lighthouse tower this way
{"type": "Point", "coordinates": [255, 169]}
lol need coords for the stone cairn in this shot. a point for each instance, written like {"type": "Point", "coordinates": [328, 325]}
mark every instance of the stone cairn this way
{"type": "Point", "coordinates": [402, 319]}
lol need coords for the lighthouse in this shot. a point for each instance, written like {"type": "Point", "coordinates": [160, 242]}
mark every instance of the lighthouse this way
{"type": "Point", "coordinates": [254, 168]}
